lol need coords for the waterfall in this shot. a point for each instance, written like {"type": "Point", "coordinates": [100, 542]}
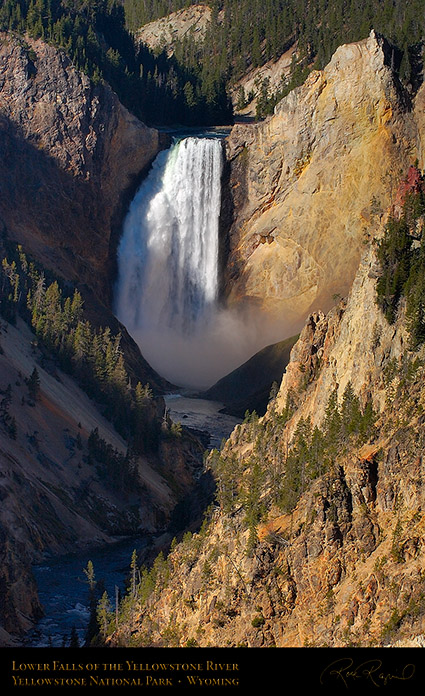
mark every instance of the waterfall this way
{"type": "Point", "coordinates": [166, 292]}
{"type": "Point", "coordinates": [167, 286]}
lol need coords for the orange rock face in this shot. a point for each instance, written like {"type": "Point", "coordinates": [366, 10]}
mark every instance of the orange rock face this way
{"type": "Point", "coordinates": [313, 180]}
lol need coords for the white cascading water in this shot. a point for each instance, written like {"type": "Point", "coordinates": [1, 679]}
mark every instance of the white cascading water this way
{"type": "Point", "coordinates": [168, 258]}
{"type": "Point", "coordinates": [167, 286]}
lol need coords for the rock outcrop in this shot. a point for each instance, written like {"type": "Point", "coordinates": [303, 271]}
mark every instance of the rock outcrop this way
{"type": "Point", "coordinates": [248, 387]}
{"type": "Point", "coordinates": [71, 157]}
{"type": "Point", "coordinates": [275, 72]}
{"type": "Point", "coordinates": [164, 33]}
{"type": "Point", "coordinates": [70, 152]}
{"type": "Point", "coordinates": [342, 565]}
{"type": "Point", "coordinates": [309, 184]}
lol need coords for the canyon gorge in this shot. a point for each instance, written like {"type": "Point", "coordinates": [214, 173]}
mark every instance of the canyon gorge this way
{"type": "Point", "coordinates": [287, 281]}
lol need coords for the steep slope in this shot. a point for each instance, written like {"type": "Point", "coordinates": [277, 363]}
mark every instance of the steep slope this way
{"type": "Point", "coordinates": [70, 158]}
{"type": "Point", "coordinates": [318, 534]}
{"type": "Point", "coordinates": [275, 73]}
{"type": "Point", "coordinates": [309, 184]}
{"type": "Point", "coordinates": [162, 34]}
{"type": "Point", "coordinates": [248, 387]}
{"type": "Point", "coordinates": [59, 491]}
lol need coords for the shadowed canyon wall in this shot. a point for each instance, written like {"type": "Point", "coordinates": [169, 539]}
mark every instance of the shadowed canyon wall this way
{"type": "Point", "coordinates": [70, 159]}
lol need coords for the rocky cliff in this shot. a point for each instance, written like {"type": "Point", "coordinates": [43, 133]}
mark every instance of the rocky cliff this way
{"type": "Point", "coordinates": [70, 158]}
{"type": "Point", "coordinates": [248, 387]}
{"type": "Point", "coordinates": [59, 492]}
{"type": "Point", "coordinates": [317, 538]}
{"type": "Point", "coordinates": [85, 149]}
{"type": "Point", "coordinates": [162, 34]}
{"type": "Point", "coordinates": [309, 184]}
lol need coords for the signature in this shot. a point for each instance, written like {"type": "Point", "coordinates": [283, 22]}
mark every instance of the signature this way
{"type": "Point", "coordinates": [346, 671]}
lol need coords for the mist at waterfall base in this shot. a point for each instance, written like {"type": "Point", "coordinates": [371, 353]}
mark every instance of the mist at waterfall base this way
{"type": "Point", "coordinates": [167, 286]}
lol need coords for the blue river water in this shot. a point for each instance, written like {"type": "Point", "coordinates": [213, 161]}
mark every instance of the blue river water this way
{"type": "Point", "coordinates": [64, 593]}
{"type": "Point", "coordinates": [61, 581]}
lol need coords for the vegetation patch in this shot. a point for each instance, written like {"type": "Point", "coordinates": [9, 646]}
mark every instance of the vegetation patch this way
{"type": "Point", "coordinates": [401, 254]}
{"type": "Point", "coordinates": [93, 357]}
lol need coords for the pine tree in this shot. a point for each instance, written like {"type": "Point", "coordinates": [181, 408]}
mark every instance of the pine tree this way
{"type": "Point", "coordinates": [134, 570]}
{"type": "Point", "coordinates": [332, 421]}
{"type": "Point", "coordinates": [104, 614]}
{"type": "Point", "coordinates": [350, 413]}
{"type": "Point", "coordinates": [90, 575]}
{"type": "Point", "coordinates": [33, 384]}
{"type": "Point", "coordinates": [394, 254]}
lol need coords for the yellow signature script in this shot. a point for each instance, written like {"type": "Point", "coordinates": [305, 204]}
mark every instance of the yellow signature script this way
{"type": "Point", "coordinates": [347, 672]}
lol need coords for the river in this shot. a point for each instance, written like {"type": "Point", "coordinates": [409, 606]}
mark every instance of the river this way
{"type": "Point", "coordinates": [61, 581]}
{"type": "Point", "coordinates": [64, 594]}
{"type": "Point", "coordinates": [201, 414]}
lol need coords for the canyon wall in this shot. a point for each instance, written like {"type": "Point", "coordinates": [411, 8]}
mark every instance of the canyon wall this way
{"type": "Point", "coordinates": [70, 152]}
{"type": "Point", "coordinates": [343, 566]}
{"type": "Point", "coordinates": [71, 157]}
{"type": "Point", "coordinates": [309, 191]}
{"type": "Point", "coordinates": [309, 185]}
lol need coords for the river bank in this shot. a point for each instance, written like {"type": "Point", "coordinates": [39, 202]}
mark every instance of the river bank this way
{"type": "Point", "coordinates": [61, 581]}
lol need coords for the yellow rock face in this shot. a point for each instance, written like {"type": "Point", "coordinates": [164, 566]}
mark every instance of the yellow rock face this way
{"type": "Point", "coordinates": [317, 176]}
